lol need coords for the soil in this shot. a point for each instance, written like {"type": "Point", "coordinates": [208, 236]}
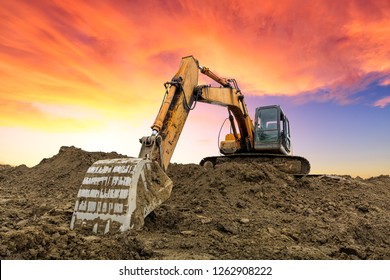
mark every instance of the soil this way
{"type": "Point", "coordinates": [234, 211]}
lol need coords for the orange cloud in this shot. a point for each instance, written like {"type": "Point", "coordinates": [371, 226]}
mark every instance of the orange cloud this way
{"type": "Point", "coordinates": [382, 102]}
{"type": "Point", "coordinates": [110, 58]}
{"type": "Point", "coordinates": [385, 82]}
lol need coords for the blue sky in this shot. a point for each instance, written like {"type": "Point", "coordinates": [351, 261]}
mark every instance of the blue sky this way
{"type": "Point", "coordinates": [351, 138]}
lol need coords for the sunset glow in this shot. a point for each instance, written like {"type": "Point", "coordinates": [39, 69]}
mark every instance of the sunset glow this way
{"type": "Point", "coordinates": [82, 72]}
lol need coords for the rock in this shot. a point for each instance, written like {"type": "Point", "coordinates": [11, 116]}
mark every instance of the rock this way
{"type": "Point", "coordinates": [272, 231]}
{"type": "Point", "coordinates": [227, 227]}
{"type": "Point", "coordinates": [363, 208]}
{"type": "Point", "coordinates": [188, 232]}
{"type": "Point", "coordinates": [244, 220]}
{"type": "Point", "coordinates": [22, 223]}
{"type": "Point", "coordinates": [91, 238]}
{"type": "Point", "coordinates": [206, 220]}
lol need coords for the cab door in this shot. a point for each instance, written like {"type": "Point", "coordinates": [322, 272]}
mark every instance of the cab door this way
{"type": "Point", "coordinates": [272, 130]}
{"type": "Point", "coordinates": [285, 134]}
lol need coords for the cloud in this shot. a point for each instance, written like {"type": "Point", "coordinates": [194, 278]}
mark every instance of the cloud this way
{"type": "Point", "coordinates": [385, 82]}
{"type": "Point", "coordinates": [66, 111]}
{"type": "Point", "coordinates": [382, 102]}
{"type": "Point", "coordinates": [112, 57]}
{"type": "Point", "coordinates": [52, 118]}
{"type": "Point", "coordinates": [359, 88]}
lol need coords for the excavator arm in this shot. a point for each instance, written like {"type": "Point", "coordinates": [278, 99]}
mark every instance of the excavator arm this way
{"type": "Point", "coordinates": [183, 92]}
{"type": "Point", "coordinates": [234, 101]}
{"type": "Point", "coordinates": [117, 194]}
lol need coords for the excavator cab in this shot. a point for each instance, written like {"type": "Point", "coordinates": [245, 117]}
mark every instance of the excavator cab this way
{"type": "Point", "coordinates": [272, 131]}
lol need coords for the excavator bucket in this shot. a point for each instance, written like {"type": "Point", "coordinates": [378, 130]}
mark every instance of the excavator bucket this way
{"type": "Point", "coordinates": [117, 194]}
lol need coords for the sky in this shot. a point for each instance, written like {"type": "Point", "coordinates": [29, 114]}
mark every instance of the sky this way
{"type": "Point", "coordinates": [90, 74]}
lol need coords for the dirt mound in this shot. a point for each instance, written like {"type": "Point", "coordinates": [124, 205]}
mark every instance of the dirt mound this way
{"type": "Point", "coordinates": [236, 211]}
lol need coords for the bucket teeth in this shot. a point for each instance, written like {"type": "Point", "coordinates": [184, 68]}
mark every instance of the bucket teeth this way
{"type": "Point", "coordinates": [117, 194]}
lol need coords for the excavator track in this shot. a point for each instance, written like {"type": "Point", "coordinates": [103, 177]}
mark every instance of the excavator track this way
{"type": "Point", "coordinates": [294, 165]}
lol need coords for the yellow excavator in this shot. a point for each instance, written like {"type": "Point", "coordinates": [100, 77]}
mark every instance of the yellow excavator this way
{"type": "Point", "coordinates": [117, 194]}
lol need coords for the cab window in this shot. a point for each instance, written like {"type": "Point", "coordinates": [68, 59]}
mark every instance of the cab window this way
{"type": "Point", "coordinates": [267, 125]}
